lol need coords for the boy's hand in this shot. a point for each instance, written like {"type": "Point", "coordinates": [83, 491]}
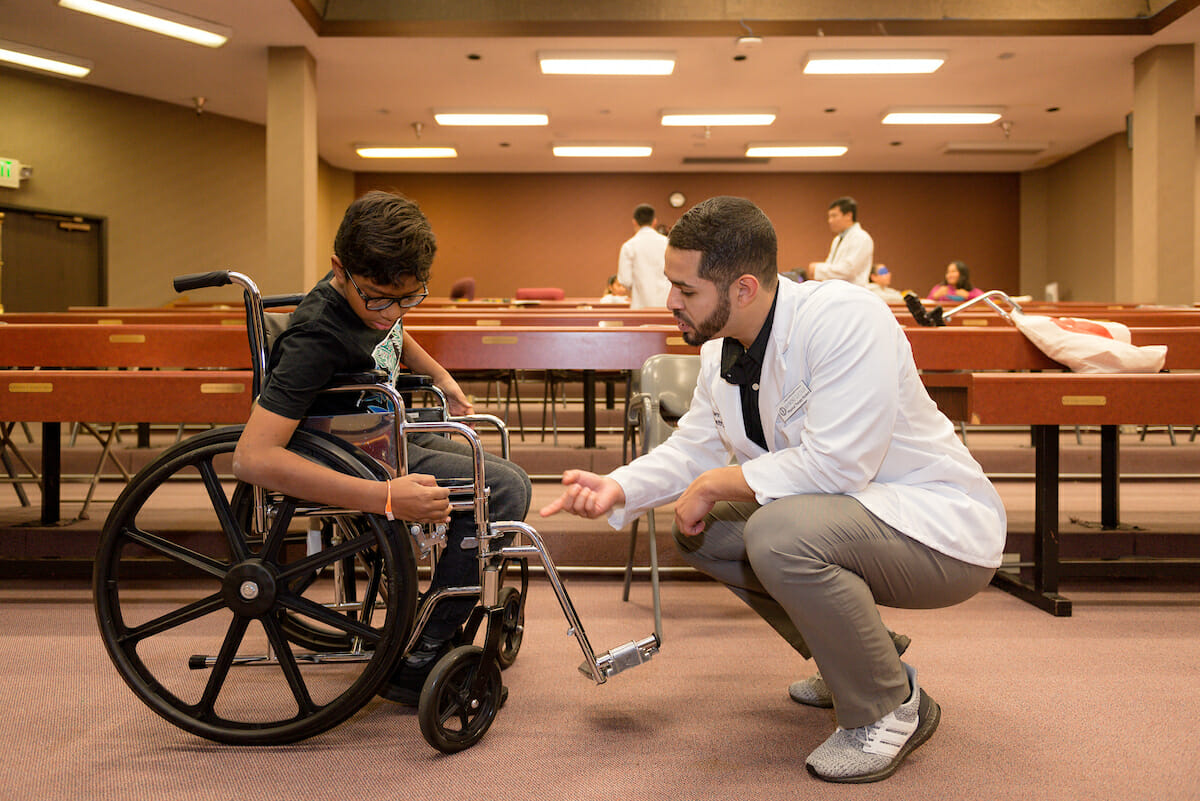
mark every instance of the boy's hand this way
{"type": "Point", "coordinates": [416, 497]}
{"type": "Point", "coordinates": [457, 404]}
{"type": "Point", "coordinates": [586, 495]}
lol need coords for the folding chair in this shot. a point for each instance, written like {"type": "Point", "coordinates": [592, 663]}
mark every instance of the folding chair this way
{"type": "Point", "coordinates": [665, 386]}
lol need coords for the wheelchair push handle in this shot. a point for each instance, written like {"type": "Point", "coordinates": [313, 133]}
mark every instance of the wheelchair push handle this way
{"type": "Point", "coordinates": [183, 283]}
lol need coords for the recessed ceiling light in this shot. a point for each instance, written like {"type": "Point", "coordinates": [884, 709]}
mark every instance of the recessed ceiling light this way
{"type": "Point", "coordinates": [491, 118]}
{"type": "Point", "coordinates": [710, 118]}
{"type": "Point", "coordinates": [46, 60]}
{"type": "Point", "coordinates": [406, 152]}
{"type": "Point", "coordinates": [602, 151]}
{"type": "Point", "coordinates": [155, 19]}
{"type": "Point", "coordinates": [865, 62]}
{"type": "Point", "coordinates": [606, 63]}
{"type": "Point", "coordinates": [767, 150]}
{"type": "Point", "coordinates": [942, 116]}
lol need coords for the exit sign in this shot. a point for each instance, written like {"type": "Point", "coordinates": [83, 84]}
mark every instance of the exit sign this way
{"type": "Point", "coordinates": [10, 173]}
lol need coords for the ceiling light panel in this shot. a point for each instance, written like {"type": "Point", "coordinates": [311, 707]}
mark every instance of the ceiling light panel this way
{"type": "Point", "coordinates": [783, 150]}
{"type": "Point", "coordinates": [45, 60]}
{"type": "Point", "coordinates": [602, 151]}
{"type": "Point", "coordinates": [406, 152]}
{"type": "Point", "coordinates": [491, 118]}
{"type": "Point", "coordinates": [155, 19]}
{"type": "Point", "coordinates": [865, 62]}
{"type": "Point", "coordinates": [713, 118]}
{"type": "Point", "coordinates": [942, 116]}
{"type": "Point", "coordinates": [606, 63]}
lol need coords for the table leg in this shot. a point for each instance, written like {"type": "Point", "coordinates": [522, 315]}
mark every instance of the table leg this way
{"type": "Point", "coordinates": [51, 472]}
{"type": "Point", "coordinates": [1110, 477]}
{"type": "Point", "coordinates": [589, 408]}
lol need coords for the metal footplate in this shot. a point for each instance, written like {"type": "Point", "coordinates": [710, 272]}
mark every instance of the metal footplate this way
{"type": "Point", "coordinates": [597, 668]}
{"type": "Point", "coordinates": [623, 657]}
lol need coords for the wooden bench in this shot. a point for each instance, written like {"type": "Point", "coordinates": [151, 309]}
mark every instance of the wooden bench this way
{"type": "Point", "coordinates": [1011, 395]}
{"type": "Point", "coordinates": [580, 348]}
{"type": "Point", "coordinates": [164, 374]}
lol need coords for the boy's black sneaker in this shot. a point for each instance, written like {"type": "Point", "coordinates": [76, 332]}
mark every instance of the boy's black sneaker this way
{"type": "Point", "coordinates": [404, 687]}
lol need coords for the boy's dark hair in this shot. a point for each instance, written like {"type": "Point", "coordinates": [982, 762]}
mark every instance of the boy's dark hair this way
{"type": "Point", "coordinates": [846, 205]}
{"type": "Point", "coordinates": [643, 214]}
{"type": "Point", "coordinates": [385, 238]}
{"type": "Point", "coordinates": [733, 235]}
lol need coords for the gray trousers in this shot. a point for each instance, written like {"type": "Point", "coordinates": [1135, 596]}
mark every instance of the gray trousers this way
{"type": "Point", "coordinates": [511, 492]}
{"type": "Point", "coordinates": [815, 567]}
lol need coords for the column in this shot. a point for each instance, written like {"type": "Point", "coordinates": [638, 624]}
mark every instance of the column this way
{"type": "Point", "coordinates": [291, 171]}
{"type": "Point", "coordinates": [1163, 191]}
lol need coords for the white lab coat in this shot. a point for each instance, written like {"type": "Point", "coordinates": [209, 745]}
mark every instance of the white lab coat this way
{"type": "Point", "coordinates": [844, 412]}
{"type": "Point", "coordinates": [641, 268]}
{"type": "Point", "coordinates": [850, 258]}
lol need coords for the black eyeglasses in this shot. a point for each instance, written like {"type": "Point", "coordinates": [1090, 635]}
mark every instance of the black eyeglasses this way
{"type": "Point", "coordinates": [379, 304]}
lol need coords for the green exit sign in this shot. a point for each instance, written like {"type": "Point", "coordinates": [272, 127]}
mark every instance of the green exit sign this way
{"type": "Point", "coordinates": [10, 173]}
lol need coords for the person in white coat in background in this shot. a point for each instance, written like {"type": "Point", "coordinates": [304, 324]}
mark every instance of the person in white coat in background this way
{"type": "Point", "coordinates": [640, 264]}
{"type": "Point", "coordinates": [813, 476]}
{"type": "Point", "coordinates": [852, 251]}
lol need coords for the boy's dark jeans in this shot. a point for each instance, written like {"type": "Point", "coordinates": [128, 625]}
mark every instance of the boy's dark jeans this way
{"type": "Point", "coordinates": [511, 492]}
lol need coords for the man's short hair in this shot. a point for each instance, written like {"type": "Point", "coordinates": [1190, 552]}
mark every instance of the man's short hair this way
{"type": "Point", "coordinates": [643, 214]}
{"type": "Point", "coordinates": [846, 205]}
{"type": "Point", "coordinates": [385, 238]}
{"type": "Point", "coordinates": [733, 236]}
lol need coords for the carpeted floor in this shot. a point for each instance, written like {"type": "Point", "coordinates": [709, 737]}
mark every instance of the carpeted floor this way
{"type": "Point", "coordinates": [1100, 705]}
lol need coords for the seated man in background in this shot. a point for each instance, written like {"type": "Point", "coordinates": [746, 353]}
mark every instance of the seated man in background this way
{"type": "Point", "coordinates": [352, 321]}
{"type": "Point", "coordinates": [813, 476]}
{"type": "Point", "coordinates": [881, 284]}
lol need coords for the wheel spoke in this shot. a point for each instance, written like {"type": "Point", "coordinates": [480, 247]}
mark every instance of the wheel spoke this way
{"type": "Point", "coordinates": [171, 620]}
{"type": "Point", "coordinates": [216, 493]}
{"type": "Point", "coordinates": [177, 552]}
{"type": "Point", "coordinates": [325, 558]}
{"type": "Point", "coordinates": [323, 614]}
{"type": "Point", "coordinates": [220, 671]}
{"type": "Point", "coordinates": [291, 670]}
{"type": "Point", "coordinates": [279, 527]}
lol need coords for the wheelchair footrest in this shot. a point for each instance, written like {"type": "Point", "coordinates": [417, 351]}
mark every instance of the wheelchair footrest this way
{"type": "Point", "coordinates": [623, 657]}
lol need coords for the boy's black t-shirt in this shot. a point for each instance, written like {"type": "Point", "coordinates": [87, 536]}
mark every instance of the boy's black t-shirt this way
{"type": "Point", "coordinates": [324, 337]}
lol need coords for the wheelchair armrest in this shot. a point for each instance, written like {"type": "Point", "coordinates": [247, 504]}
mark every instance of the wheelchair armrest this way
{"type": "Point", "coordinates": [365, 377]}
{"type": "Point", "coordinates": [406, 382]}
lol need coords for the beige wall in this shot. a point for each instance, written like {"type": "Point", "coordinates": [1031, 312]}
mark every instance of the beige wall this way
{"type": "Point", "coordinates": [1075, 223]}
{"type": "Point", "coordinates": [179, 192]}
{"type": "Point", "coordinates": [509, 231]}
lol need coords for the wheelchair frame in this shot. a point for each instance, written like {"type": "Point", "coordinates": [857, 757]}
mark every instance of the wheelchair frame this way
{"type": "Point", "coordinates": [463, 692]}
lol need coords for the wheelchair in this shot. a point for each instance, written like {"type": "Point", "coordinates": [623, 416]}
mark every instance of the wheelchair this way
{"type": "Point", "coordinates": [294, 614]}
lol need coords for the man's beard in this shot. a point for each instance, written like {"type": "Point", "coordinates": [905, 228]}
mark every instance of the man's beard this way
{"type": "Point", "coordinates": [710, 325]}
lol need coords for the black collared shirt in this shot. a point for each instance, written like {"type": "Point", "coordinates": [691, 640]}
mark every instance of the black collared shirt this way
{"type": "Point", "coordinates": [743, 367]}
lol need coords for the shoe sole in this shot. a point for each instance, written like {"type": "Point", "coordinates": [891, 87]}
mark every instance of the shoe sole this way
{"type": "Point", "coordinates": [929, 714]}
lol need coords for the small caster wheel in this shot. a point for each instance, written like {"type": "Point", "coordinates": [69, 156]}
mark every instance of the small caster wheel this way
{"type": "Point", "coordinates": [512, 627]}
{"type": "Point", "coordinates": [455, 709]}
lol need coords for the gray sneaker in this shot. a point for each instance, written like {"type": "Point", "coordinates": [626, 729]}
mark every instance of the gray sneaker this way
{"type": "Point", "coordinates": [814, 692]}
{"type": "Point", "coordinates": [870, 753]}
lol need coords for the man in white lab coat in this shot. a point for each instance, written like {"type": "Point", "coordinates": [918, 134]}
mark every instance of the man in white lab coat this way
{"type": "Point", "coordinates": [640, 264]}
{"type": "Point", "coordinates": [813, 476]}
{"type": "Point", "coordinates": [852, 251]}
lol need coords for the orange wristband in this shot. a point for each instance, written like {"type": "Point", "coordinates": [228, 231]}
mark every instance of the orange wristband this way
{"type": "Point", "coordinates": [387, 510]}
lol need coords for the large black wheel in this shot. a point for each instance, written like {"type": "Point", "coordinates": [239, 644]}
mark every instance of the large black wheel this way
{"type": "Point", "coordinates": [512, 626]}
{"type": "Point", "coordinates": [214, 649]}
{"type": "Point", "coordinates": [460, 699]}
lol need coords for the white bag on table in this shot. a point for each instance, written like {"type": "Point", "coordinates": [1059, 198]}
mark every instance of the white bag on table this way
{"type": "Point", "coordinates": [1089, 346]}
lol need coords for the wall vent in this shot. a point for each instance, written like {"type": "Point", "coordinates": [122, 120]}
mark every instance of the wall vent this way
{"type": "Point", "coordinates": [994, 148]}
{"type": "Point", "coordinates": [723, 160]}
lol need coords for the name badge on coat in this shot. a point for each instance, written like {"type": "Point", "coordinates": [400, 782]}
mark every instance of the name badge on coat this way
{"type": "Point", "coordinates": [793, 402]}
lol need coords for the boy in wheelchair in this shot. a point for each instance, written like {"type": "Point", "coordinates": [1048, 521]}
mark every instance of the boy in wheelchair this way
{"type": "Point", "coordinates": [351, 321]}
